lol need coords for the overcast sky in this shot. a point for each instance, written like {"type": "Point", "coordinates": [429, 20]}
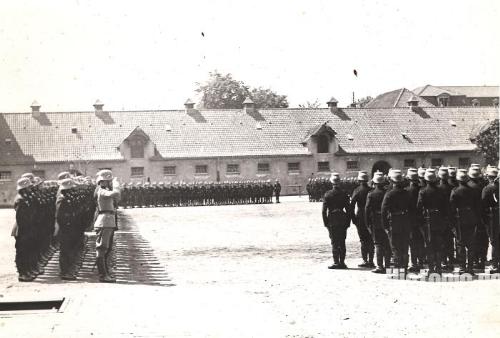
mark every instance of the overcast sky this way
{"type": "Point", "coordinates": [149, 55]}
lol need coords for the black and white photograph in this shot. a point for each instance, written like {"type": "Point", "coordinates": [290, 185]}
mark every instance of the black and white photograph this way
{"type": "Point", "coordinates": [277, 168]}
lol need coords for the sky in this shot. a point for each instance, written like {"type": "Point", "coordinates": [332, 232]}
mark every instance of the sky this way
{"type": "Point", "coordinates": [135, 55]}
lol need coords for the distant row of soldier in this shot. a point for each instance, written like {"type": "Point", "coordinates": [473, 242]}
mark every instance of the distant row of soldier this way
{"type": "Point", "coordinates": [198, 193]}
{"type": "Point", "coordinates": [430, 213]}
{"type": "Point", "coordinates": [51, 215]}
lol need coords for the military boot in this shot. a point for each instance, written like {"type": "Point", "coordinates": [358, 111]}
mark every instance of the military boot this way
{"type": "Point", "coordinates": [342, 261]}
{"type": "Point", "coordinates": [103, 274]}
{"type": "Point", "coordinates": [369, 263]}
{"type": "Point", "coordinates": [380, 260]}
{"type": "Point", "coordinates": [335, 264]}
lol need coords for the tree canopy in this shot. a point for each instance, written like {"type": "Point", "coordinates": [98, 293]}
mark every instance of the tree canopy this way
{"type": "Point", "coordinates": [223, 92]}
{"type": "Point", "coordinates": [486, 141]}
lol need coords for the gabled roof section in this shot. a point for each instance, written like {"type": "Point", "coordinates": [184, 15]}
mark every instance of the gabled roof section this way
{"type": "Point", "coordinates": [396, 99]}
{"type": "Point", "coordinates": [319, 129]}
{"type": "Point", "coordinates": [430, 90]}
{"type": "Point", "coordinates": [475, 91]}
{"type": "Point", "coordinates": [137, 133]}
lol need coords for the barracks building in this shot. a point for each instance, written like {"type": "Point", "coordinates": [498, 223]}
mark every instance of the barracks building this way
{"type": "Point", "coordinates": [236, 144]}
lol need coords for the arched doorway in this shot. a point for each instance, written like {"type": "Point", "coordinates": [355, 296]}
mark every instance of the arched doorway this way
{"type": "Point", "coordinates": [382, 166]}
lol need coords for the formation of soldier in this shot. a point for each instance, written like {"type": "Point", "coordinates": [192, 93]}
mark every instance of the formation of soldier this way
{"type": "Point", "coordinates": [435, 217]}
{"type": "Point", "coordinates": [51, 215]}
{"type": "Point", "coordinates": [198, 193]}
{"type": "Point", "coordinates": [318, 186]}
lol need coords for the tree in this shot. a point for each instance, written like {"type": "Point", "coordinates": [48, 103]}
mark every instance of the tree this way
{"type": "Point", "coordinates": [310, 104]}
{"type": "Point", "coordinates": [363, 101]}
{"type": "Point", "coordinates": [486, 141]}
{"type": "Point", "coordinates": [224, 92]}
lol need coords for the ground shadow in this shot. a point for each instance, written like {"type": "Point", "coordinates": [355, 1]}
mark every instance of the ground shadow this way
{"type": "Point", "coordinates": [133, 259]}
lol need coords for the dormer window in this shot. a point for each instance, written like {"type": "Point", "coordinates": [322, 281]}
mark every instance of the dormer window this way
{"type": "Point", "coordinates": [323, 143]}
{"type": "Point", "coordinates": [475, 103]}
{"type": "Point", "coordinates": [443, 101]}
{"type": "Point", "coordinates": [137, 148]}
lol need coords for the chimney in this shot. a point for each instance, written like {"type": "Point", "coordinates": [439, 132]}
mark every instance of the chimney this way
{"type": "Point", "coordinates": [248, 106]}
{"type": "Point", "coordinates": [98, 107]}
{"type": "Point", "coordinates": [413, 103]}
{"type": "Point", "coordinates": [35, 109]}
{"type": "Point", "coordinates": [332, 104]}
{"type": "Point", "coordinates": [189, 106]}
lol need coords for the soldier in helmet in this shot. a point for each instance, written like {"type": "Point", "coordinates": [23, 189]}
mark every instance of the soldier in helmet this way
{"type": "Point", "coordinates": [395, 215]}
{"type": "Point", "coordinates": [452, 174]}
{"type": "Point", "coordinates": [358, 216]}
{"type": "Point", "coordinates": [417, 248]}
{"type": "Point", "coordinates": [373, 216]}
{"type": "Point", "coordinates": [490, 215]}
{"type": "Point", "coordinates": [336, 219]}
{"type": "Point", "coordinates": [277, 190]}
{"type": "Point", "coordinates": [465, 211]}
{"type": "Point", "coordinates": [421, 176]}
{"type": "Point", "coordinates": [444, 186]}
{"type": "Point", "coordinates": [481, 239]}
{"type": "Point", "coordinates": [108, 193]}
{"type": "Point", "coordinates": [433, 205]}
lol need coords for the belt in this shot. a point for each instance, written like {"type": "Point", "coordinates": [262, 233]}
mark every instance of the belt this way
{"type": "Point", "coordinates": [337, 210]}
{"type": "Point", "coordinates": [106, 212]}
{"type": "Point", "coordinates": [432, 210]}
{"type": "Point", "coordinates": [397, 213]}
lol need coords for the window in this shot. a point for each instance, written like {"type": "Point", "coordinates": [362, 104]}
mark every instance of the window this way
{"type": "Point", "coordinates": [436, 162]}
{"type": "Point", "coordinates": [495, 102]}
{"type": "Point", "coordinates": [39, 173]}
{"type": "Point", "coordinates": [137, 171]}
{"type": "Point", "coordinates": [323, 143]}
{"type": "Point", "coordinates": [294, 167]}
{"type": "Point", "coordinates": [263, 168]}
{"type": "Point", "coordinates": [352, 165]}
{"type": "Point", "coordinates": [463, 162]}
{"type": "Point", "coordinates": [136, 149]}
{"type": "Point", "coordinates": [169, 170]}
{"type": "Point", "coordinates": [324, 166]}
{"type": "Point", "coordinates": [475, 103]}
{"type": "Point", "coordinates": [5, 175]}
{"type": "Point", "coordinates": [201, 169]}
{"type": "Point", "coordinates": [233, 169]}
{"type": "Point", "coordinates": [409, 163]}
{"type": "Point", "coordinates": [443, 101]}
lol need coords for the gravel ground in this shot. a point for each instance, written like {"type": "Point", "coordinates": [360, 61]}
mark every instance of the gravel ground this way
{"type": "Point", "coordinates": [252, 271]}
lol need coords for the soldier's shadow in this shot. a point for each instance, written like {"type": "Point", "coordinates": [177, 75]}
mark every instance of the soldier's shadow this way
{"type": "Point", "coordinates": [133, 258]}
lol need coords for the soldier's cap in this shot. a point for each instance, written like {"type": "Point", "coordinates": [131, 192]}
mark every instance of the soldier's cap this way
{"type": "Point", "coordinates": [462, 175]}
{"type": "Point", "coordinates": [66, 184]}
{"type": "Point", "coordinates": [23, 183]}
{"type": "Point", "coordinates": [412, 173]}
{"type": "Point", "coordinates": [474, 172]}
{"type": "Point", "coordinates": [475, 165]}
{"type": "Point", "coordinates": [37, 180]}
{"type": "Point", "coordinates": [161, 183]}
{"type": "Point", "coordinates": [430, 175]}
{"type": "Point", "coordinates": [105, 175]}
{"type": "Point", "coordinates": [363, 176]}
{"type": "Point", "coordinates": [335, 178]}
{"type": "Point", "coordinates": [30, 176]}
{"type": "Point", "coordinates": [63, 175]}
{"type": "Point", "coordinates": [452, 171]}
{"type": "Point", "coordinates": [443, 172]}
{"type": "Point", "coordinates": [492, 171]}
{"type": "Point", "coordinates": [378, 178]}
{"type": "Point", "coordinates": [421, 172]}
{"type": "Point", "coordinates": [396, 175]}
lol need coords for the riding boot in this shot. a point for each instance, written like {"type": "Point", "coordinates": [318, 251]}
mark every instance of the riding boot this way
{"type": "Point", "coordinates": [342, 260]}
{"type": "Point", "coordinates": [379, 254]}
{"type": "Point", "coordinates": [335, 260]}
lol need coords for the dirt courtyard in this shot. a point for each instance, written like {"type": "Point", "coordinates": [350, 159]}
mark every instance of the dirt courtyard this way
{"type": "Point", "coordinates": [247, 271]}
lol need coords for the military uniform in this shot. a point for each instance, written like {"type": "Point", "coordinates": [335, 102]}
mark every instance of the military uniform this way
{"type": "Point", "coordinates": [336, 219]}
{"type": "Point", "coordinates": [417, 248]}
{"type": "Point", "coordinates": [358, 216]}
{"type": "Point", "coordinates": [395, 215]}
{"type": "Point", "coordinates": [489, 207]}
{"type": "Point", "coordinates": [481, 238]}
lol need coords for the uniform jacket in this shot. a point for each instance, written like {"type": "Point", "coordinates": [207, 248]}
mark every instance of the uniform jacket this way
{"type": "Point", "coordinates": [490, 203]}
{"type": "Point", "coordinates": [373, 208]}
{"type": "Point", "coordinates": [396, 207]}
{"type": "Point", "coordinates": [106, 202]}
{"type": "Point", "coordinates": [432, 204]}
{"type": "Point", "coordinates": [359, 196]}
{"type": "Point", "coordinates": [415, 218]}
{"type": "Point", "coordinates": [464, 206]}
{"type": "Point", "coordinates": [336, 208]}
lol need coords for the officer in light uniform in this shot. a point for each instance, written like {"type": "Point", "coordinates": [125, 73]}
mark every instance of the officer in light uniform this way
{"type": "Point", "coordinates": [107, 195]}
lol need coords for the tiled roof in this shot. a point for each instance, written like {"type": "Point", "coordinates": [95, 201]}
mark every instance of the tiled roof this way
{"type": "Point", "coordinates": [207, 133]}
{"type": "Point", "coordinates": [469, 91]}
{"type": "Point", "coordinates": [396, 99]}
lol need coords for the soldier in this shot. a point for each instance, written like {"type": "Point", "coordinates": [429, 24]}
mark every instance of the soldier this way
{"type": "Point", "coordinates": [108, 192]}
{"type": "Point", "coordinates": [464, 207]}
{"type": "Point", "coordinates": [417, 249]}
{"type": "Point", "coordinates": [395, 215]}
{"type": "Point", "coordinates": [489, 204]}
{"type": "Point", "coordinates": [444, 186]}
{"type": "Point", "coordinates": [421, 176]}
{"type": "Point", "coordinates": [65, 218]}
{"type": "Point", "coordinates": [22, 231]}
{"type": "Point", "coordinates": [336, 219]}
{"type": "Point", "coordinates": [277, 190]}
{"type": "Point", "coordinates": [432, 204]}
{"type": "Point", "coordinates": [481, 238]}
{"type": "Point", "coordinates": [452, 174]}
{"type": "Point", "coordinates": [373, 220]}
{"type": "Point", "coordinates": [359, 200]}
